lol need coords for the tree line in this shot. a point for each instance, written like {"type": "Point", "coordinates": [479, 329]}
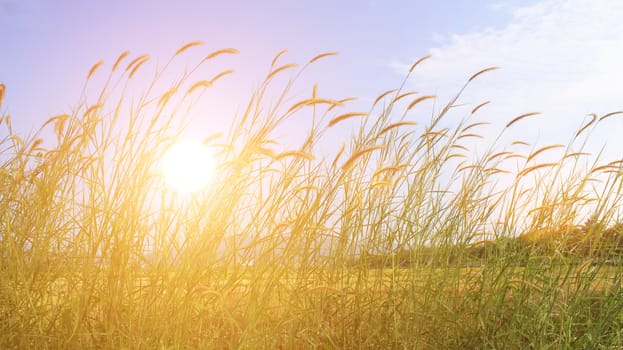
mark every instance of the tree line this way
{"type": "Point", "coordinates": [566, 243]}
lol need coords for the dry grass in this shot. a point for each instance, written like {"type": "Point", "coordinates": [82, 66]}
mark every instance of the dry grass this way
{"type": "Point", "coordinates": [278, 252]}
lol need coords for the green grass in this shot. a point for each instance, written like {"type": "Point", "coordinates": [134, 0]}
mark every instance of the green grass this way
{"type": "Point", "coordinates": [277, 252]}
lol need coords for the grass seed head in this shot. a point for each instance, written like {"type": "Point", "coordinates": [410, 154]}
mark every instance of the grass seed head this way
{"type": "Point", "coordinates": [92, 109]}
{"type": "Point", "coordinates": [418, 62]}
{"type": "Point", "coordinates": [482, 72]}
{"type": "Point", "coordinates": [593, 119]}
{"type": "Point", "coordinates": [396, 125]}
{"type": "Point", "coordinates": [610, 114]}
{"type": "Point", "coordinates": [2, 92]}
{"type": "Point", "coordinates": [418, 100]}
{"type": "Point", "coordinates": [314, 101]}
{"type": "Point", "coordinates": [230, 51]}
{"type": "Point", "coordinates": [94, 68]}
{"type": "Point", "coordinates": [345, 116]}
{"type": "Point", "coordinates": [188, 46]}
{"type": "Point", "coordinates": [523, 116]}
{"type": "Point", "coordinates": [201, 83]}
{"type": "Point", "coordinates": [138, 65]}
{"type": "Point", "coordinates": [401, 96]}
{"type": "Point", "coordinates": [119, 59]}
{"type": "Point", "coordinates": [541, 150]}
{"type": "Point", "coordinates": [276, 58]}
{"type": "Point", "coordinates": [360, 154]}
{"type": "Point", "coordinates": [220, 75]}
{"type": "Point", "coordinates": [296, 154]}
{"type": "Point", "coordinates": [528, 170]}
{"type": "Point", "coordinates": [479, 106]}
{"type": "Point", "coordinates": [322, 55]}
{"type": "Point", "coordinates": [280, 69]}
{"type": "Point", "coordinates": [135, 61]}
{"type": "Point", "coordinates": [381, 96]}
{"type": "Point", "coordinates": [341, 102]}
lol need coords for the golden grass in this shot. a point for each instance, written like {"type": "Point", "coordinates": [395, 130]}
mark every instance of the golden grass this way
{"type": "Point", "coordinates": [477, 74]}
{"type": "Point", "coordinates": [119, 59]}
{"type": "Point", "coordinates": [229, 51]}
{"type": "Point", "coordinates": [396, 125]}
{"type": "Point", "coordinates": [296, 154]}
{"type": "Point", "coordinates": [2, 92]}
{"type": "Point", "coordinates": [360, 154]}
{"type": "Point", "coordinates": [94, 68]}
{"type": "Point", "coordinates": [419, 99]}
{"type": "Point", "coordinates": [528, 170]}
{"type": "Point", "coordinates": [280, 69]}
{"type": "Point", "coordinates": [201, 83]}
{"type": "Point", "coordinates": [543, 149]}
{"type": "Point", "coordinates": [417, 63]}
{"type": "Point", "coordinates": [276, 58]}
{"type": "Point", "coordinates": [137, 65]}
{"type": "Point", "coordinates": [314, 101]}
{"type": "Point", "coordinates": [413, 240]}
{"type": "Point", "coordinates": [475, 109]}
{"type": "Point", "coordinates": [608, 115]}
{"type": "Point", "coordinates": [381, 96]}
{"type": "Point", "coordinates": [188, 46]}
{"type": "Point", "coordinates": [322, 55]}
{"type": "Point", "coordinates": [474, 125]}
{"type": "Point", "coordinates": [593, 119]}
{"type": "Point", "coordinates": [134, 61]}
{"type": "Point", "coordinates": [403, 95]}
{"type": "Point", "coordinates": [164, 99]}
{"type": "Point", "coordinates": [523, 116]}
{"type": "Point", "coordinates": [345, 116]}
{"type": "Point", "coordinates": [92, 109]}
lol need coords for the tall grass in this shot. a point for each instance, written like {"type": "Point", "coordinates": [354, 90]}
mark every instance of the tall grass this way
{"type": "Point", "coordinates": [368, 247]}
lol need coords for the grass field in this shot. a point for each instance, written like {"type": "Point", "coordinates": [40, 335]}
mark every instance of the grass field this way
{"type": "Point", "coordinates": [371, 246]}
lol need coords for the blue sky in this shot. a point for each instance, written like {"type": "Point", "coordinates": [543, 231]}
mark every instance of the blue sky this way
{"type": "Point", "coordinates": [557, 57]}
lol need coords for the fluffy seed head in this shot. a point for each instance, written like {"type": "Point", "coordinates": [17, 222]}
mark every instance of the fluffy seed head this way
{"type": "Point", "coordinates": [418, 100]}
{"type": "Point", "coordinates": [314, 101]}
{"type": "Point", "coordinates": [135, 61]}
{"type": "Point", "coordinates": [201, 83]}
{"type": "Point", "coordinates": [280, 69]}
{"type": "Point", "coordinates": [297, 154]}
{"type": "Point", "coordinates": [395, 125]}
{"type": "Point", "coordinates": [345, 116]}
{"type": "Point", "coordinates": [358, 155]}
{"type": "Point", "coordinates": [230, 50]}
{"type": "Point", "coordinates": [121, 57]}
{"type": "Point", "coordinates": [138, 65]}
{"type": "Point", "coordinates": [380, 97]}
{"type": "Point", "coordinates": [220, 75]}
{"type": "Point", "coordinates": [322, 55]}
{"type": "Point", "coordinates": [516, 119]}
{"type": "Point", "coordinates": [482, 72]}
{"type": "Point", "coordinates": [401, 96]}
{"type": "Point", "coordinates": [188, 46]}
{"type": "Point", "coordinates": [480, 106]}
{"type": "Point", "coordinates": [418, 62]}
{"type": "Point", "coordinates": [279, 54]}
{"type": "Point", "coordinates": [94, 68]}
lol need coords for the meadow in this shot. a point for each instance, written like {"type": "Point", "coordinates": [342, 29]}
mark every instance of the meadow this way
{"type": "Point", "coordinates": [403, 238]}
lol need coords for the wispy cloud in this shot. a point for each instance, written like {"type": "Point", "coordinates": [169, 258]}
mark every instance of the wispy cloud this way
{"type": "Point", "coordinates": [560, 57]}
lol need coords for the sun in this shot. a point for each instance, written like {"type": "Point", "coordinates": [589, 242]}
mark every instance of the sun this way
{"type": "Point", "coordinates": [188, 166]}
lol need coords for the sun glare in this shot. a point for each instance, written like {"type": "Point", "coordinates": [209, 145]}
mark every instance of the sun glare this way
{"type": "Point", "coordinates": [188, 166]}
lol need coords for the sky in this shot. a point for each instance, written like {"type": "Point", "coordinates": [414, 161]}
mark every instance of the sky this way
{"type": "Point", "coordinates": [560, 58]}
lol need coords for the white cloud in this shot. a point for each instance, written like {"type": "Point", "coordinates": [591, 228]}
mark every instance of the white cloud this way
{"type": "Point", "coordinates": [561, 58]}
